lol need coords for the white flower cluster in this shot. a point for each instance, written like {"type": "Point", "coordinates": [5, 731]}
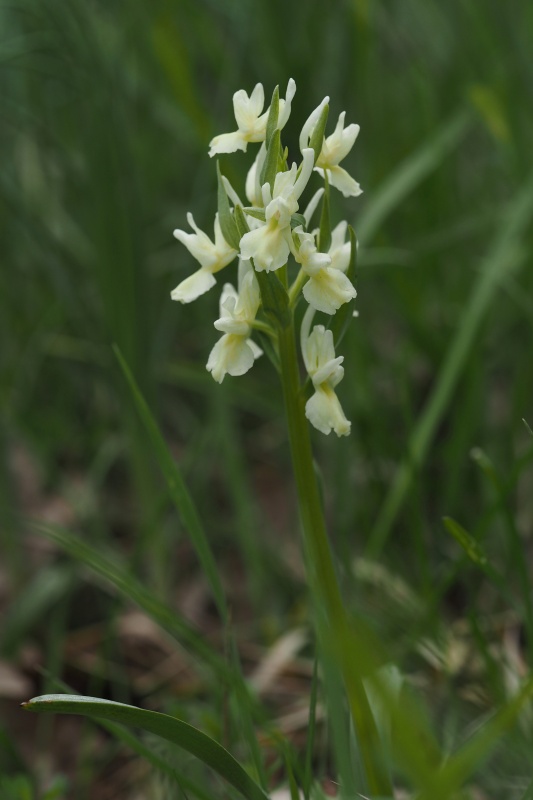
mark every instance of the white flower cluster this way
{"type": "Point", "coordinates": [265, 234]}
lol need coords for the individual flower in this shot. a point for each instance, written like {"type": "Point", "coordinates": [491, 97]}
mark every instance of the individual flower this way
{"type": "Point", "coordinates": [334, 149]}
{"type": "Point", "coordinates": [270, 244]}
{"type": "Point", "coordinates": [250, 121]}
{"type": "Point", "coordinates": [328, 288]}
{"type": "Point", "coordinates": [323, 409]}
{"type": "Point", "coordinates": [213, 256]}
{"type": "Point", "coordinates": [235, 353]}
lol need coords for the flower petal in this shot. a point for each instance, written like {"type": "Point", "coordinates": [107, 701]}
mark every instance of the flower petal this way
{"type": "Point", "coordinates": [192, 287]}
{"type": "Point", "coordinates": [325, 413]}
{"type": "Point", "coordinates": [285, 105]}
{"type": "Point", "coordinates": [228, 143]}
{"type": "Point", "coordinates": [267, 246]}
{"type": "Point", "coordinates": [341, 180]}
{"type": "Point", "coordinates": [340, 250]}
{"type": "Point", "coordinates": [247, 109]}
{"type": "Point", "coordinates": [328, 290]}
{"type": "Point", "coordinates": [231, 355]}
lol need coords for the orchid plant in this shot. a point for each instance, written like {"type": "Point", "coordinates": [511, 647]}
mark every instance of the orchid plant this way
{"type": "Point", "coordinates": [284, 258]}
{"type": "Point", "coordinates": [285, 261]}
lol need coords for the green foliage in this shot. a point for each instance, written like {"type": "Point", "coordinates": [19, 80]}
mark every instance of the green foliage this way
{"type": "Point", "coordinates": [228, 226]}
{"type": "Point", "coordinates": [107, 112]}
{"type": "Point", "coordinates": [175, 730]}
{"type": "Point", "coordinates": [270, 165]}
{"type": "Point", "coordinates": [317, 137]}
{"type": "Point", "coordinates": [272, 121]}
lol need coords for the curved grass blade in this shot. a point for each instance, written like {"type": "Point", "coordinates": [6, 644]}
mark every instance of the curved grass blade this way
{"type": "Point", "coordinates": [178, 490]}
{"type": "Point", "coordinates": [157, 761]}
{"type": "Point", "coordinates": [173, 730]}
{"type": "Point", "coordinates": [143, 749]}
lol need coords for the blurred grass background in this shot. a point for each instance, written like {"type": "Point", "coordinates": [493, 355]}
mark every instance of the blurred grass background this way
{"type": "Point", "coordinates": [106, 114]}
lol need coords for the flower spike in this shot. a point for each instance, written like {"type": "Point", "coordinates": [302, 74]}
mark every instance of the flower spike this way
{"type": "Point", "coordinates": [270, 233]}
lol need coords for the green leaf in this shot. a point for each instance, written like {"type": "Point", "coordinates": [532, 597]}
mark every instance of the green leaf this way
{"type": "Point", "coordinates": [271, 163]}
{"type": "Point", "coordinates": [317, 137]}
{"type": "Point", "coordinates": [173, 730]}
{"type": "Point", "coordinates": [528, 428]}
{"type": "Point", "coordinates": [274, 298]}
{"type": "Point", "coordinates": [157, 761]}
{"type": "Point", "coordinates": [160, 761]}
{"type": "Point", "coordinates": [254, 211]}
{"type": "Point", "coordinates": [177, 489]}
{"type": "Point", "coordinates": [240, 219]}
{"type": "Point", "coordinates": [225, 217]}
{"type": "Point", "coordinates": [324, 233]}
{"type": "Point", "coordinates": [298, 219]}
{"type": "Point", "coordinates": [342, 319]}
{"type": "Point", "coordinates": [471, 547]}
{"type": "Point", "coordinates": [273, 114]}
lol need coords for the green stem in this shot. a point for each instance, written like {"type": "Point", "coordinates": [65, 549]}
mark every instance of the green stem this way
{"type": "Point", "coordinates": [323, 578]}
{"type": "Point", "coordinates": [294, 291]}
{"type": "Point", "coordinates": [264, 327]}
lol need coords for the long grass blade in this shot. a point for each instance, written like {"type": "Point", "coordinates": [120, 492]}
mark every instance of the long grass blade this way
{"type": "Point", "coordinates": [173, 730]}
{"type": "Point", "coordinates": [178, 490]}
